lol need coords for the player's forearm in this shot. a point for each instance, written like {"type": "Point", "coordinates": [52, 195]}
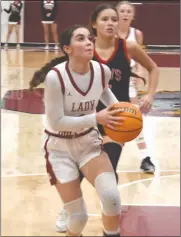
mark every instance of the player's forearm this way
{"type": "Point", "coordinates": [74, 124]}
{"type": "Point", "coordinates": [153, 81]}
{"type": "Point", "coordinates": [7, 11]}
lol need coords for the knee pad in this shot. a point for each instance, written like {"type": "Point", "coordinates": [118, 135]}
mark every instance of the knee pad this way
{"type": "Point", "coordinates": [140, 138]}
{"type": "Point", "coordinates": [107, 190]}
{"type": "Point", "coordinates": [77, 215]}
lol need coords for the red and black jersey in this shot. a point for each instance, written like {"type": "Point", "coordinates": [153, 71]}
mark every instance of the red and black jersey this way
{"type": "Point", "coordinates": [119, 65]}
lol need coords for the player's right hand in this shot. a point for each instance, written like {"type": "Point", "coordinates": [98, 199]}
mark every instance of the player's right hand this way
{"type": "Point", "coordinates": [108, 118]}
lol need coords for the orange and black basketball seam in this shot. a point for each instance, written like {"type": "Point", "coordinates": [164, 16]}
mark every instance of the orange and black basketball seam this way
{"type": "Point", "coordinates": [130, 117]}
{"type": "Point", "coordinates": [125, 130]}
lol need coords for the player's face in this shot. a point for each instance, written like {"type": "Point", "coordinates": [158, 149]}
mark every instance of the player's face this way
{"type": "Point", "coordinates": [106, 23]}
{"type": "Point", "coordinates": [126, 13]}
{"type": "Point", "coordinates": [82, 44]}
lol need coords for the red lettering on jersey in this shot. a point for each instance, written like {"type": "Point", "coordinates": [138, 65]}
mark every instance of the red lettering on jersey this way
{"type": "Point", "coordinates": [116, 74]}
{"type": "Point", "coordinates": [83, 106]}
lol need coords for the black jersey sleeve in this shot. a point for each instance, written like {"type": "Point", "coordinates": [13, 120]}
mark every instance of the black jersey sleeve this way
{"type": "Point", "coordinates": [8, 10]}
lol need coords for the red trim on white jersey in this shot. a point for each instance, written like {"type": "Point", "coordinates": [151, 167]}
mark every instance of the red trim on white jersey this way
{"type": "Point", "coordinates": [60, 79]}
{"type": "Point", "coordinates": [102, 75]}
{"type": "Point", "coordinates": [75, 85]}
{"type": "Point", "coordinates": [49, 169]}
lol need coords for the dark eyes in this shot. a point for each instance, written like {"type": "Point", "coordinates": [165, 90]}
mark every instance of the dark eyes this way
{"type": "Point", "coordinates": [122, 11]}
{"type": "Point", "coordinates": [106, 19]}
{"type": "Point", "coordinates": [91, 38]}
{"type": "Point", "coordinates": [82, 38]}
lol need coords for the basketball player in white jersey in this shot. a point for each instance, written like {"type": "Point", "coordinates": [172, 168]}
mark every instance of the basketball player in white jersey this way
{"type": "Point", "coordinates": [126, 11]}
{"type": "Point", "coordinates": [72, 91]}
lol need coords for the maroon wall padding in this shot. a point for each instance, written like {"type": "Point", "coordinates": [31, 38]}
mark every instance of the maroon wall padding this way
{"type": "Point", "coordinates": [159, 21]}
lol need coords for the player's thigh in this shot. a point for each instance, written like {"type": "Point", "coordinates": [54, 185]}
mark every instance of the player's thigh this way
{"type": "Point", "coordinates": [69, 191]}
{"type": "Point", "coordinates": [96, 166]}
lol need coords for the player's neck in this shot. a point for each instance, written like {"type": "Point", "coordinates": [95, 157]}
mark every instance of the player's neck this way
{"type": "Point", "coordinates": [123, 28]}
{"type": "Point", "coordinates": [123, 31]}
{"type": "Point", "coordinates": [105, 43]}
{"type": "Point", "coordinates": [78, 66]}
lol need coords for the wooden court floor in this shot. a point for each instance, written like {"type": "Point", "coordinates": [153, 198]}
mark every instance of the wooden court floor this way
{"type": "Point", "coordinates": [30, 205]}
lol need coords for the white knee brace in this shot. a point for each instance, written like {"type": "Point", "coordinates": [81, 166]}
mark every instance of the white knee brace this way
{"type": "Point", "coordinates": [106, 187]}
{"type": "Point", "coordinates": [77, 215]}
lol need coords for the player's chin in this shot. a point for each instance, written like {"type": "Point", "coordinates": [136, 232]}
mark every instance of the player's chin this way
{"type": "Point", "coordinates": [89, 55]}
{"type": "Point", "coordinates": [110, 34]}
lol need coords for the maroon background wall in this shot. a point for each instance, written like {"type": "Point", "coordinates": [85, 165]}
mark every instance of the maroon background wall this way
{"type": "Point", "coordinates": [160, 22]}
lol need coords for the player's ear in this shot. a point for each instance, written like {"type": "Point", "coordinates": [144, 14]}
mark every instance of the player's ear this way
{"type": "Point", "coordinates": [67, 49]}
{"type": "Point", "coordinates": [94, 25]}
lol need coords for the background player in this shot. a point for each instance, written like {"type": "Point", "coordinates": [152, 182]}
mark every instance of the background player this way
{"type": "Point", "coordinates": [126, 11]}
{"type": "Point", "coordinates": [14, 21]}
{"type": "Point", "coordinates": [49, 11]}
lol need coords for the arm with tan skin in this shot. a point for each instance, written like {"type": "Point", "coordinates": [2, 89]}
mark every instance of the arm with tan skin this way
{"type": "Point", "coordinates": [139, 38]}
{"type": "Point", "coordinates": [138, 69]}
{"type": "Point", "coordinates": [140, 56]}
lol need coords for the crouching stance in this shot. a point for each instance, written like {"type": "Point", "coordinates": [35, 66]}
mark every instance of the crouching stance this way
{"type": "Point", "coordinates": [73, 143]}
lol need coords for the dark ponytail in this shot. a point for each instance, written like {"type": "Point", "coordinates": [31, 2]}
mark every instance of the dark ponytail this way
{"type": "Point", "coordinates": [39, 76]}
{"type": "Point", "coordinates": [65, 39]}
{"type": "Point", "coordinates": [132, 74]}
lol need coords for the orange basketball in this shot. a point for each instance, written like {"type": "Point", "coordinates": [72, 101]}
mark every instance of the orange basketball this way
{"type": "Point", "coordinates": [131, 126]}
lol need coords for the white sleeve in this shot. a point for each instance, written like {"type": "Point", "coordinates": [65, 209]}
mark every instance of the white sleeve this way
{"type": "Point", "coordinates": [107, 97]}
{"type": "Point", "coordinates": [54, 108]}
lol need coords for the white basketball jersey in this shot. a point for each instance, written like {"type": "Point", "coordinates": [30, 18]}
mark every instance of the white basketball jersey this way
{"type": "Point", "coordinates": [132, 37]}
{"type": "Point", "coordinates": [76, 101]}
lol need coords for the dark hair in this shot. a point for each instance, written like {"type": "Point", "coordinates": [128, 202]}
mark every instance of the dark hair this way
{"type": "Point", "coordinates": [65, 39]}
{"type": "Point", "coordinates": [95, 14]}
{"type": "Point", "coordinates": [93, 18]}
{"type": "Point", "coordinates": [66, 35]}
{"type": "Point", "coordinates": [132, 74]}
{"type": "Point", "coordinates": [126, 3]}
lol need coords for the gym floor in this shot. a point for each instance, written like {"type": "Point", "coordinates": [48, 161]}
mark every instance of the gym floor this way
{"type": "Point", "coordinates": [150, 203]}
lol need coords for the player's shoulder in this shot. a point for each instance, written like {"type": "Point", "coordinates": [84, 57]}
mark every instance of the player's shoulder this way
{"type": "Point", "coordinates": [106, 69]}
{"type": "Point", "coordinates": [138, 32]}
{"type": "Point", "coordinates": [53, 75]}
{"type": "Point", "coordinates": [60, 66]}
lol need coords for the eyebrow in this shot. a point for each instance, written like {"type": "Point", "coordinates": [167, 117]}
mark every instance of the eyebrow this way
{"type": "Point", "coordinates": [79, 35]}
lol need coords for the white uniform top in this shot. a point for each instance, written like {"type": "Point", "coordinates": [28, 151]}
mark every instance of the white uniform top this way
{"type": "Point", "coordinates": [132, 37]}
{"type": "Point", "coordinates": [48, 4]}
{"type": "Point", "coordinates": [71, 99]}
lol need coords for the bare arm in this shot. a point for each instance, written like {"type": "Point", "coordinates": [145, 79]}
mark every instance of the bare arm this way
{"type": "Point", "coordinates": [139, 38]}
{"type": "Point", "coordinates": [54, 108]}
{"type": "Point", "coordinates": [139, 55]}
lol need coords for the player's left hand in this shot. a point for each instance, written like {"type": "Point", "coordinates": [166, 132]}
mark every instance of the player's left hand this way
{"type": "Point", "coordinates": [146, 103]}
